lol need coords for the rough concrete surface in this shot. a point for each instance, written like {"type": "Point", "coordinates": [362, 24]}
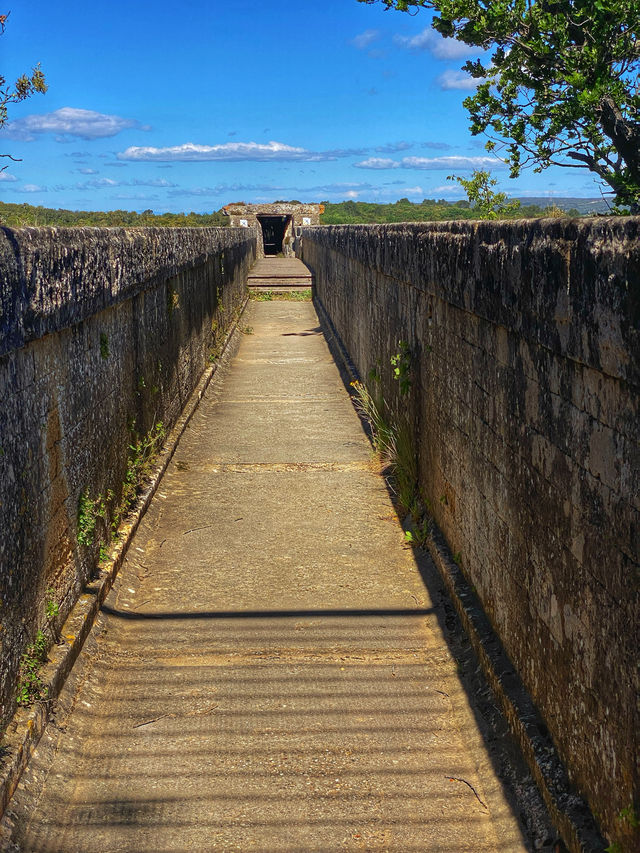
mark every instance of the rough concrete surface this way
{"type": "Point", "coordinates": [271, 674]}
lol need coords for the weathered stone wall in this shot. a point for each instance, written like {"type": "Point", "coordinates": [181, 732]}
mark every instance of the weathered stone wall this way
{"type": "Point", "coordinates": [104, 333]}
{"type": "Point", "coordinates": [525, 345]}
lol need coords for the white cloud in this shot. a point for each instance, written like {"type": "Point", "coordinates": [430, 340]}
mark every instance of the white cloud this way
{"type": "Point", "coordinates": [378, 163]}
{"type": "Point", "coordinates": [233, 151]}
{"type": "Point", "coordinates": [88, 171]}
{"type": "Point", "coordinates": [152, 182]}
{"type": "Point", "coordinates": [357, 188]}
{"type": "Point", "coordinates": [283, 192]}
{"type": "Point", "coordinates": [136, 197]}
{"type": "Point", "coordinates": [453, 162]}
{"type": "Point", "coordinates": [98, 183]}
{"type": "Point", "coordinates": [30, 188]}
{"type": "Point", "coordinates": [366, 38]}
{"type": "Point", "coordinates": [392, 147]}
{"type": "Point", "coordinates": [7, 176]}
{"type": "Point", "coordinates": [199, 191]}
{"type": "Point", "coordinates": [436, 146]}
{"type": "Point", "coordinates": [69, 121]}
{"type": "Point", "coordinates": [432, 163]}
{"type": "Point", "coordinates": [440, 47]}
{"type": "Point", "coordinates": [227, 189]}
{"type": "Point", "coordinates": [458, 80]}
{"type": "Point", "coordinates": [107, 183]}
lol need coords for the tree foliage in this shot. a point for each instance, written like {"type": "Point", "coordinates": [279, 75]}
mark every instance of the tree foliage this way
{"type": "Point", "coordinates": [487, 203]}
{"type": "Point", "coordinates": [561, 86]}
{"type": "Point", "coordinates": [428, 210]}
{"type": "Point", "coordinates": [25, 86]}
{"type": "Point", "coordinates": [24, 215]}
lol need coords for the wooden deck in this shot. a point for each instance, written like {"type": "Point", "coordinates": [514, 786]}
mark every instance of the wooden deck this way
{"type": "Point", "coordinates": [279, 274]}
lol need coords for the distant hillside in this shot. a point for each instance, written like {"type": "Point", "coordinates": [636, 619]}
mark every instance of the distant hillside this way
{"type": "Point", "coordinates": [584, 206]}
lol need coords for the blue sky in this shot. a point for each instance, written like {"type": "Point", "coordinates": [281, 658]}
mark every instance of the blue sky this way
{"type": "Point", "coordinates": [192, 105]}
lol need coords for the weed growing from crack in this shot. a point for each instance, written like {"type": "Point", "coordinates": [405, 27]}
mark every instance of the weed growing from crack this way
{"type": "Point", "coordinates": [173, 299]}
{"type": "Point", "coordinates": [31, 688]}
{"type": "Point", "coordinates": [420, 532]}
{"type": "Point", "coordinates": [51, 609]}
{"type": "Point", "coordinates": [142, 454]}
{"type": "Point", "coordinates": [86, 519]}
{"type": "Point", "coordinates": [401, 363]}
{"type": "Point", "coordinates": [104, 345]}
{"type": "Point", "coordinates": [391, 431]}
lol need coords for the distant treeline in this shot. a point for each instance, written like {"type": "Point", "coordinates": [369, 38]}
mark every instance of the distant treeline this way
{"type": "Point", "coordinates": [23, 215]}
{"type": "Point", "coordinates": [342, 213]}
{"type": "Point", "coordinates": [429, 210]}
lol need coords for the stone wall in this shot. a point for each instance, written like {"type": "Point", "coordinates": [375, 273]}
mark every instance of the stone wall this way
{"type": "Point", "coordinates": [104, 333]}
{"type": "Point", "coordinates": [525, 348]}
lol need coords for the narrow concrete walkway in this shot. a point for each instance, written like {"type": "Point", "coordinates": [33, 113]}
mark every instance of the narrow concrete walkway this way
{"type": "Point", "coordinates": [272, 675]}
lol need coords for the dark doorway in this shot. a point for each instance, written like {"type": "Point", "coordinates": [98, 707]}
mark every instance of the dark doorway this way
{"type": "Point", "coordinates": [273, 228]}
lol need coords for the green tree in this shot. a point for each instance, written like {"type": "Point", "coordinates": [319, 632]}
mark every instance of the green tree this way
{"type": "Point", "coordinates": [560, 86]}
{"type": "Point", "coordinates": [487, 204]}
{"type": "Point", "coordinates": [12, 93]}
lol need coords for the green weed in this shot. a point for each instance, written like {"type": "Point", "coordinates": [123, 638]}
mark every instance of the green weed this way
{"type": "Point", "coordinates": [401, 363]}
{"type": "Point", "coordinates": [391, 433]}
{"type": "Point", "coordinates": [373, 411]}
{"type": "Point", "coordinates": [104, 345]}
{"type": "Point", "coordinates": [173, 299]}
{"type": "Point", "coordinates": [420, 533]}
{"type": "Point", "coordinates": [628, 815]}
{"type": "Point", "coordinates": [142, 454]}
{"type": "Point", "coordinates": [31, 688]}
{"type": "Point", "coordinates": [86, 519]}
{"type": "Point", "coordinates": [404, 463]}
{"type": "Point", "coordinates": [51, 609]}
{"type": "Point", "coordinates": [284, 296]}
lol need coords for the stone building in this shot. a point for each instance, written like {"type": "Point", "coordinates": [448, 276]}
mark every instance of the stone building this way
{"type": "Point", "coordinates": [280, 223]}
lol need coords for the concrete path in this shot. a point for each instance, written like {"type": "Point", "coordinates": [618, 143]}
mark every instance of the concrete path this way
{"type": "Point", "coordinates": [272, 675]}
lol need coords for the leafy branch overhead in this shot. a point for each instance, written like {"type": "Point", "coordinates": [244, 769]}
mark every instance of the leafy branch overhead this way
{"type": "Point", "coordinates": [25, 86]}
{"type": "Point", "coordinates": [561, 84]}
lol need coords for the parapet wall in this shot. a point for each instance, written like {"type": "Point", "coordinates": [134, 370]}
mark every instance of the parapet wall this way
{"type": "Point", "coordinates": [525, 347]}
{"type": "Point", "coordinates": [104, 334]}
